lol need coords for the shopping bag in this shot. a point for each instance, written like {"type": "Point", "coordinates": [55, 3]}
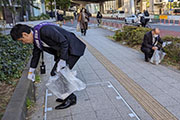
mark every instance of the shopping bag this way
{"type": "Point", "coordinates": [157, 57]}
{"type": "Point", "coordinates": [65, 83]}
{"type": "Point", "coordinates": [78, 27]}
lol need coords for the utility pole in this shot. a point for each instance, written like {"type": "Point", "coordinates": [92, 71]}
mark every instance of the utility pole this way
{"type": "Point", "coordinates": [55, 9]}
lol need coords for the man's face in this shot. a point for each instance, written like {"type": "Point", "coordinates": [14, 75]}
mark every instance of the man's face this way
{"type": "Point", "coordinates": [26, 38]}
{"type": "Point", "coordinates": [157, 32]}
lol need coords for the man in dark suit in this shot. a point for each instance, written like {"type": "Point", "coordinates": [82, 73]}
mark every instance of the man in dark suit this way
{"type": "Point", "coordinates": [63, 45]}
{"type": "Point", "coordinates": [150, 43]}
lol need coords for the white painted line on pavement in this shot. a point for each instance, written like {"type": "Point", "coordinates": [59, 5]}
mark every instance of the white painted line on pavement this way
{"type": "Point", "coordinates": [46, 109]}
{"type": "Point", "coordinates": [119, 97]}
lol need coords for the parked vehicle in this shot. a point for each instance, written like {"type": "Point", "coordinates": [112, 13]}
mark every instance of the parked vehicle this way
{"type": "Point", "coordinates": [118, 15]}
{"type": "Point", "coordinates": [131, 19]}
{"type": "Point", "coordinates": [176, 11]}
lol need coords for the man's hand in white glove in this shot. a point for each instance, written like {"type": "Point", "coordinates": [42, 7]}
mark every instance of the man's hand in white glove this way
{"type": "Point", "coordinates": [61, 64]}
{"type": "Point", "coordinates": [31, 74]}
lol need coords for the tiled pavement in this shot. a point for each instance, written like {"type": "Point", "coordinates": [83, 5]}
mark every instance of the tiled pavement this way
{"type": "Point", "coordinates": [98, 101]}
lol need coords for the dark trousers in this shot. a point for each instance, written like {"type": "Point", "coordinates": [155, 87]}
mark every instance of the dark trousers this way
{"type": "Point", "coordinates": [148, 52]}
{"type": "Point", "coordinates": [72, 59]}
{"type": "Point", "coordinates": [84, 28]}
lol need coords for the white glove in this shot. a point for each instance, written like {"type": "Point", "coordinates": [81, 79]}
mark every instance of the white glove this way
{"type": "Point", "coordinates": [31, 75]}
{"type": "Point", "coordinates": [61, 64]}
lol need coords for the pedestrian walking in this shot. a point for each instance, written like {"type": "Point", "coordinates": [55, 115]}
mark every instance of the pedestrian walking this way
{"type": "Point", "coordinates": [83, 19]}
{"type": "Point", "coordinates": [99, 17]}
{"type": "Point", "coordinates": [63, 45]}
{"type": "Point", "coordinates": [75, 14]}
{"type": "Point", "coordinates": [60, 18]}
{"type": "Point", "coordinates": [150, 43]}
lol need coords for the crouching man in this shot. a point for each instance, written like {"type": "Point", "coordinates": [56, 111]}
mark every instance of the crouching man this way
{"type": "Point", "coordinates": [63, 45]}
{"type": "Point", "coordinates": [150, 43]}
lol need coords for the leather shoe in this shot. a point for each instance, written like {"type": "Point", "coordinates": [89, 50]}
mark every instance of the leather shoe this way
{"type": "Point", "coordinates": [72, 96]}
{"type": "Point", "coordinates": [59, 100]}
{"type": "Point", "coordinates": [66, 104]}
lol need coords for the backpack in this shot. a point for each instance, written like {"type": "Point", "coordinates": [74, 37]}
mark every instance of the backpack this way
{"type": "Point", "coordinates": [146, 13]}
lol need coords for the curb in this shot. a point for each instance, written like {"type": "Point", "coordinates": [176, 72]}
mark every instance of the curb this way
{"type": "Point", "coordinates": [16, 109]}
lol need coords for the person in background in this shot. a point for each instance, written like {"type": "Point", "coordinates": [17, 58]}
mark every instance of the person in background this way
{"type": "Point", "coordinates": [150, 43]}
{"type": "Point", "coordinates": [99, 17]}
{"type": "Point", "coordinates": [83, 18]}
{"type": "Point", "coordinates": [60, 18]}
{"type": "Point", "coordinates": [146, 17]}
{"type": "Point", "coordinates": [75, 14]}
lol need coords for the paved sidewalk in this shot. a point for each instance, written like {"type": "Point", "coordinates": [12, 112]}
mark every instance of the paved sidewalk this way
{"type": "Point", "coordinates": [105, 98]}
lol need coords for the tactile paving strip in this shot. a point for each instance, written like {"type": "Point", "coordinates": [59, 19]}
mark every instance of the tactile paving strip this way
{"type": "Point", "coordinates": [152, 106]}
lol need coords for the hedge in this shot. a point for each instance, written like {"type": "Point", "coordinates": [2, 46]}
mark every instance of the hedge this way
{"type": "Point", "coordinates": [133, 36]}
{"type": "Point", "coordinates": [13, 58]}
{"type": "Point", "coordinates": [172, 50]}
{"type": "Point", "coordinates": [68, 17]}
{"type": "Point", "coordinates": [41, 17]}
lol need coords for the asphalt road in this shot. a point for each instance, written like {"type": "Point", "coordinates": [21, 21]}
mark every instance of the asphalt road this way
{"type": "Point", "coordinates": [153, 25]}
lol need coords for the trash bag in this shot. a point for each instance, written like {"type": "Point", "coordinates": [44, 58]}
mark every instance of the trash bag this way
{"type": "Point", "coordinates": [78, 27]}
{"type": "Point", "coordinates": [157, 57]}
{"type": "Point", "coordinates": [65, 83]}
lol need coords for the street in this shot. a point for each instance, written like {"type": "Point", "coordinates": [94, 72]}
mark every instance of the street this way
{"type": "Point", "coordinates": [153, 25]}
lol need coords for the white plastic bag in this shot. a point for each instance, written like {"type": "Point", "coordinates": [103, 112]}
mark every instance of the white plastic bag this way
{"type": "Point", "coordinates": [157, 57]}
{"type": "Point", "coordinates": [65, 83]}
{"type": "Point", "coordinates": [78, 27]}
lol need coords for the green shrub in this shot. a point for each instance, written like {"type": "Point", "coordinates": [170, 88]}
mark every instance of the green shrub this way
{"type": "Point", "coordinates": [29, 103]}
{"type": "Point", "coordinates": [171, 38]}
{"type": "Point", "coordinates": [41, 17]}
{"type": "Point", "coordinates": [173, 50]}
{"type": "Point", "coordinates": [68, 17]}
{"type": "Point", "coordinates": [132, 35]}
{"type": "Point", "coordinates": [13, 58]}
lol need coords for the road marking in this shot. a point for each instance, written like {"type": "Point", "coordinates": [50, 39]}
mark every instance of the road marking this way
{"type": "Point", "coordinates": [46, 109]}
{"type": "Point", "coordinates": [152, 106]}
{"type": "Point", "coordinates": [119, 97]}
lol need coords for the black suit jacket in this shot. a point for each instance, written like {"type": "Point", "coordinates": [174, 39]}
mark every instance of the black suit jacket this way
{"type": "Point", "coordinates": [148, 40]}
{"type": "Point", "coordinates": [61, 44]}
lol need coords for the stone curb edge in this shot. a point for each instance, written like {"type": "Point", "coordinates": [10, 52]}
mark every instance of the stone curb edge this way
{"type": "Point", "coordinates": [16, 109]}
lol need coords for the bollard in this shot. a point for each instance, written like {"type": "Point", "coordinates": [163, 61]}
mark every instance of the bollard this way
{"type": "Point", "coordinates": [173, 21]}
{"type": "Point", "coordinates": [71, 21]}
{"type": "Point", "coordinates": [164, 21]}
{"type": "Point", "coordinates": [168, 21]}
{"type": "Point", "coordinates": [116, 25]}
{"type": "Point", "coordinates": [119, 26]}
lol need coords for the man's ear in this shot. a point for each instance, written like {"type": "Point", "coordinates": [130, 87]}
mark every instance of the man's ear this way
{"type": "Point", "coordinates": [24, 34]}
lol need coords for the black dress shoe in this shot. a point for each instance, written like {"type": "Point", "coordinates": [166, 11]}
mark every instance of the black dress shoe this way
{"type": "Point", "coordinates": [146, 60]}
{"type": "Point", "coordinates": [66, 104]}
{"type": "Point", "coordinates": [72, 96]}
{"type": "Point", "coordinates": [59, 100]}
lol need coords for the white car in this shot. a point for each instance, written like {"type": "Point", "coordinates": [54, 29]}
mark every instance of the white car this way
{"type": "Point", "coordinates": [118, 15]}
{"type": "Point", "coordinates": [131, 19]}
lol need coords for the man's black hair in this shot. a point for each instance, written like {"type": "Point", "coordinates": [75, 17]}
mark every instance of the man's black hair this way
{"type": "Point", "coordinates": [154, 29]}
{"type": "Point", "coordinates": [17, 30]}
